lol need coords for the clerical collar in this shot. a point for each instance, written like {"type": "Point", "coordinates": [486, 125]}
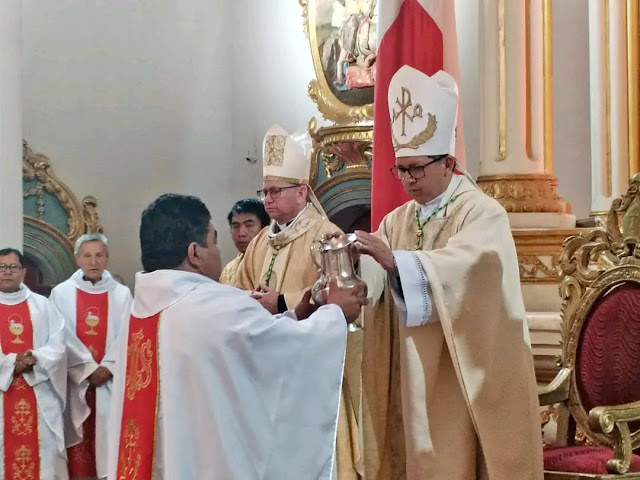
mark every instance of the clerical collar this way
{"type": "Point", "coordinates": [277, 228]}
{"type": "Point", "coordinates": [427, 209]}
{"type": "Point", "coordinates": [14, 298]}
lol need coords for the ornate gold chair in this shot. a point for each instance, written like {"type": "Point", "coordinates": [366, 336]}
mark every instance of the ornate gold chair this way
{"type": "Point", "coordinates": [598, 387]}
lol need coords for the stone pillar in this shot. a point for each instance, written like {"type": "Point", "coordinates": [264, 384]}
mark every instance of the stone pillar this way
{"type": "Point", "coordinates": [10, 124]}
{"type": "Point", "coordinates": [516, 164]}
{"type": "Point", "coordinates": [610, 108]}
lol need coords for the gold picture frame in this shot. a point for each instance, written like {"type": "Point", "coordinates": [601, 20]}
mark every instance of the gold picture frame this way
{"type": "Point", "coordinates": [342, 36]}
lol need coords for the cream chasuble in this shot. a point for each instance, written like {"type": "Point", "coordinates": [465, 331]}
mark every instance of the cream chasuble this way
{"type": "Point", "coordinates": [242, 394]}
{"type": "Point", "coordinates": [293, 270]}
{"type": "Point", "coordinates": [81, 362]}
{"type": "Point", "coordinates": [48, 380]}
{"type": "Point", "coordinates": [463, 402]}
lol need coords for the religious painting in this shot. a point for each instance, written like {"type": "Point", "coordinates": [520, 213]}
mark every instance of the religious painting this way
{"type": "Point", "coordinates": [343, 40]}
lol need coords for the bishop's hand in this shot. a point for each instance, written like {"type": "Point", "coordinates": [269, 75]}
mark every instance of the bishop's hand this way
{"type": "Point", "coordinates": [267, 297]}
{"type": "Point", "coordinates": [376, 248]}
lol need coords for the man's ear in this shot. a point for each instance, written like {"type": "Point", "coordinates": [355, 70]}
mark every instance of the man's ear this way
{"type": "Point", "coordinates": [192, 254]}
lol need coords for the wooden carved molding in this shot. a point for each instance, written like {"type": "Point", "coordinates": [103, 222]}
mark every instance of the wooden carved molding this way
{"type": "Point", "coordinates": [82, 217]}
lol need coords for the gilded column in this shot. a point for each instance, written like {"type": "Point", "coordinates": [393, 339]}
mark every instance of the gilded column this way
{"type": "Point", "coordinates": [608, 72]}
{"type": "Point", "coordinates": [516, 165]}
{"type": "Point", "coordinates": [10, 124]}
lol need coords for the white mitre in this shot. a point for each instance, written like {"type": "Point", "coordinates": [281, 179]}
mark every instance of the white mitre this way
{"type": "Point", "coordinates": [284, 160]}
{"type": "Point", "coordinates": [423, 112]}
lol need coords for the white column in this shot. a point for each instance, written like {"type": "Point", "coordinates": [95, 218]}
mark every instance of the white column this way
{"type": "Point", "coordinates": [608, 83]}
{"type": "Point", "coordinates": [516, 165]}
{"type": "Point", "coordinates": [10, 124]}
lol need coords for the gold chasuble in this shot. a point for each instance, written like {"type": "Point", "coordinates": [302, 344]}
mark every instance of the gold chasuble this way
{"type": "Point", "coordinates": [19, 404]}
{"type": "Point", "coordinates": [453, 397]}
{"type": "Point", "coordinates": [140, 408]}
{"type": "Point", "coordinates": [230, 270]}
{"type": "Point", "coordinates": [283, 260]}
{"type": "Point", "coordinates": [92, 311]}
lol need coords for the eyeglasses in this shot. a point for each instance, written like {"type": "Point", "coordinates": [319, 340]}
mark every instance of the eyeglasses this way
{"type": "Point", "coordinates": [12, 267]}
{"type": "Point", "coordinates": [415, 172]}
{"type": "Point", "coordinates": [274, 192]}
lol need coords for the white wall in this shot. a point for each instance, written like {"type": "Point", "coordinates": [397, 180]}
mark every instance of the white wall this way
{"type": "Point", "coordinates": [571, 129]}
{"type": "Point", "coordinates": [130, 100]}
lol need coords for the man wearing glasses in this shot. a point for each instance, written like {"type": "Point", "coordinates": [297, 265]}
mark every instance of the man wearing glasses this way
{"type": "Point", "coordinates": [452, 356]}
{"type": "Point", "coordinates": [277, 266]}
{"type": "Point", "coordinates": [32, 378]}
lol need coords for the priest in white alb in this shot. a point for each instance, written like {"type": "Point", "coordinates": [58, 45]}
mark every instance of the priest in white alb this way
{"type": "Point", "coordinates": [95, 307]}
{"type": "Point", "coordinates": [211, 386]}
{"type": "Point", "coordinates": [32, 378]}
{"type": "Point", "coordinates": [448, 380]}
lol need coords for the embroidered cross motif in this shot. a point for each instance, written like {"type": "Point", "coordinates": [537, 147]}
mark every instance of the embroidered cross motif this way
{"type": "Point", "coordinates": [274, 150]}
{"type": "Point", "coordinates": [404, 113]}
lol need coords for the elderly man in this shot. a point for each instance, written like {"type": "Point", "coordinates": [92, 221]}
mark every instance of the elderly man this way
{"type": "Point", "coordinates": [246, 218]}
{"type": "Point", "coordinates": [32, 378]}
{"type": "Point", "coordinates": [458, 368]}
{"type": "Point", "coordinates": [95, 307]}
{"type": "Point", "coordinates": [210, 385]}
{"type": "Point", "coordinates": [277, 265]}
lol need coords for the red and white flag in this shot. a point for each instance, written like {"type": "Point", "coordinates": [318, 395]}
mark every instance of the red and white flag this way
{"type": "Point", "coordinates": [421, 34]}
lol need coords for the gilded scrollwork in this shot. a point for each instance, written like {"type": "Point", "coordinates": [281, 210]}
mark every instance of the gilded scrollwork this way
{"type": "Point", "coordinates": [539, 268]}
{"type": "Point", "coordinates": [340, 147]}
{"type": "Point", "coordinates": [593, 262]}
{"type": "Point", "coordinates": [525, 193]}
{"type": "Point", "coordinates": [81, 217]}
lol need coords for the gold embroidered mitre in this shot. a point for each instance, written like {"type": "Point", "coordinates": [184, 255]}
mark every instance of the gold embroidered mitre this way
{"type": "Point", "coordinates": [423, 112]}
{"type": "Point", "coordinates": [283, 158]}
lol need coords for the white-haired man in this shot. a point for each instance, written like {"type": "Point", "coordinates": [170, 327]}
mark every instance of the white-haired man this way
{"type": "Point", "coordinates": [94, 306]}
{"type": "Point", "coordinates": [447, 358]}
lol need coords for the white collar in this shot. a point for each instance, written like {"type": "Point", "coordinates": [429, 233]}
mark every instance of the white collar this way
{"type": "Point", "coordinates": [15, 298]}
{"type": "Point", "coordinates": [431, 206]}
{"type": "Point", "coordinates": [156, 291]}
{"type": "Point", "coordinates": [284, 227]}
{"type": "Point", "coordinates": [105, 284]}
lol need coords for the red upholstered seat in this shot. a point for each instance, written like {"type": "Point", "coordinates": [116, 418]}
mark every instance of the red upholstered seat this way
{"type": "Point", "coordinates": [591, 460]}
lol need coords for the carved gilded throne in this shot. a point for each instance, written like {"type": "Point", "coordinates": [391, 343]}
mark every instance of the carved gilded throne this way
{"type": "Point", "coordinates": [53, 221]}
{"type": "Point", "coordinates": [598, 387]}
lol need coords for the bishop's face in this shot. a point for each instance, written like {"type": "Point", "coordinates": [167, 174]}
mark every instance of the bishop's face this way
{"type": "Point", "coordinates": [11, 274]}
{"type": "Point", "coordinates": [424, 178]}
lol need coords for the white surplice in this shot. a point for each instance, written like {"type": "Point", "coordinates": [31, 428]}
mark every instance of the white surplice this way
{"type": "Point", "coordinates": [243, 394]}
{"type": "Point", "coordinates": [81, 363]}
{"type": "Point", "coordinates": [48, 380]}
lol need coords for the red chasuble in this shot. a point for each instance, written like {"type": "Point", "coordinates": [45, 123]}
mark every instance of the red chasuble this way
{"type": "Point", "coordinates": [19, 404]}
{"type": "Point", "coordinates": [142, 387]}
{"type": "Point", "coordinates": [92, 312]}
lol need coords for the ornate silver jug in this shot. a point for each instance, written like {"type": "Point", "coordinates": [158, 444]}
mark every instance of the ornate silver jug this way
{"type": "Point", "coordinates": [334, 259]}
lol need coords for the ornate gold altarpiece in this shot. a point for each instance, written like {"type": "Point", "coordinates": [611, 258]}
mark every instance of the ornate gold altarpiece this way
{"type": "Point", "coordinates": [53, 218]}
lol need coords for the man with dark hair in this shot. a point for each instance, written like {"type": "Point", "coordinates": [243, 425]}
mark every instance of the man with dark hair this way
{"type": "Point", "coordinates": [209, 385]}
{"type": "Point", "coordinates": [32, 377]}
{"type": "Point", "coordinates": [246, 218]}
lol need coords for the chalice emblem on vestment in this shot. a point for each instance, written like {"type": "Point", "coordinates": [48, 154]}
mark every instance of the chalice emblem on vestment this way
{"type": "Point", "coordinates": [92, 320]}
{"type": "Point", "coordinates": [16, 328]}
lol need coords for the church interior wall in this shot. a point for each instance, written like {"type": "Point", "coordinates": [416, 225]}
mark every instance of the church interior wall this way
{"type": "Point", "coordinates": [133, 100]}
